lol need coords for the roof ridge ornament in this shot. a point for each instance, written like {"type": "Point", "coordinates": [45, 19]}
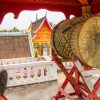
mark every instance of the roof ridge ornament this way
{"type": "Point", "coordinates": [45, 15]}
{"type": "Point", "coordinates": [36, 17]}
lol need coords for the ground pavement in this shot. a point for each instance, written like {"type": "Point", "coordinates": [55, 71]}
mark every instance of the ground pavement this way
{"type": "Point", "coordinates": [40, 91]}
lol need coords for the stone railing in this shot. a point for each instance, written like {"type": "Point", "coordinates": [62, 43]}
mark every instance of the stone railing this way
{"type": "Point", "coordinates": [13, 33]}
{"type": "Point", "coordinates": [30, 72]}
{"type": "Point", "coordinates": [23, 60]}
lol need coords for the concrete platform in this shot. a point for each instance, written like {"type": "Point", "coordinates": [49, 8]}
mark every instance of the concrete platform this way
{"type": "Point", "coordinates": [40, 91]}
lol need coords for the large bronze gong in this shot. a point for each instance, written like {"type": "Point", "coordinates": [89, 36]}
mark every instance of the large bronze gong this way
{"type": "Point", "coordinates": [79, 36]}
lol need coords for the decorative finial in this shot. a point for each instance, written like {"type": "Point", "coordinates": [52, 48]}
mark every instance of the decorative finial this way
{"type": "Point", "coordinates": [46, 14]}
{"type": "Point", "coordinates": [36, 17]}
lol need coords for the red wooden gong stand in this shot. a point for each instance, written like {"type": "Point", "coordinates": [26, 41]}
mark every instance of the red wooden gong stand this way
{"type": "Point", "coordinates": [3, 98]}
{"type": "Point", "coordinates": [76, 81]}
{"type": "Point", "coordinates": [93, 95]}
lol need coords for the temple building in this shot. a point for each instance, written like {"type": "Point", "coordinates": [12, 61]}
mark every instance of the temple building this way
{"type": "Point", "coordinates": [41, 36]}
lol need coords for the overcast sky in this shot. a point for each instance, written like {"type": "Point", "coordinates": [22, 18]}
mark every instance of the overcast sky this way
{"type": "Point", "coordinates": [26, 17]}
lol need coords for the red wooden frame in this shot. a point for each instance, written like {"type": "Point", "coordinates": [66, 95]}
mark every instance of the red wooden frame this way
{"type": "Point", "coordinates": [68, 8]}
{"type": "Point", "coordinates": [3, 98]}
{"type": "Point", "coordinates": [93, 95]}
{"type": "Point", "coordinates": [80, 88]}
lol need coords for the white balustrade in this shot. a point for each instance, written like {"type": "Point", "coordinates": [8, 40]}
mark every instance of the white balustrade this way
{"type": "Point", "coordinates": [30, 72]}
{"type": "Point", "coordinates": [13, 33]}
{"type": "Point", "coordinates": [22, 60]}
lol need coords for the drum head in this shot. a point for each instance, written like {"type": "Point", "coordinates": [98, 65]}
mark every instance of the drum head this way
{"type": "Point", "coordinates": [61, 37]}
{"type": "Point", "coordinates": [89, 42]}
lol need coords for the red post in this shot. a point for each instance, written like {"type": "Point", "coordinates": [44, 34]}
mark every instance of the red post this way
{"type": "Point", "coordinates": [93, 95]}
{"type": "Point", "coordinates": [3, 98]}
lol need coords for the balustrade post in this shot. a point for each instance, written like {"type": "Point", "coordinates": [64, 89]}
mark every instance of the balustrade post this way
{"type": "Point", "coordinates": [35, 73]}
{"type": "Point", "coordinates": [28, 72]}
{"type": "Point", "coordinates": [14, 75]}
{"type": "Point", "coordinates": [22, 74]}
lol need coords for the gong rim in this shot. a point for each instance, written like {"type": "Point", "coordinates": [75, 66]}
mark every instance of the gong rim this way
{"type": "Point", "coordinates": [90, 54]}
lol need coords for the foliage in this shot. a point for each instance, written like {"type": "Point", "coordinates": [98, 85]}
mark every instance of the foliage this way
{"type": "Point", "coordinates": [13, 30]}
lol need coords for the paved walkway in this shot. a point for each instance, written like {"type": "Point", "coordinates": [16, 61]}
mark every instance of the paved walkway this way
{"type": "Point", "coordinates": [40, 91]}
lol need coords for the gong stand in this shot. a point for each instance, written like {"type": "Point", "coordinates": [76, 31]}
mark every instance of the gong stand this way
{"type": "Point", "coordinates": [3, 98]}
{"type": "Point", "coordinates": [76, 81]}
{"type": "Point", "coordinates": [93, 95]}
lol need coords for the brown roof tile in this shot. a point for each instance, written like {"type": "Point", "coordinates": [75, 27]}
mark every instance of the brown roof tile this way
{"type": "Point", "coordinates": [36, 24]}
{"type": "Point", "coordinates": [14, 47]}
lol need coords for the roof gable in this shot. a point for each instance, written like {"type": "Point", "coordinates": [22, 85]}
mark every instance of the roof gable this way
{"type": "Point", "coordinates": [36, 26]}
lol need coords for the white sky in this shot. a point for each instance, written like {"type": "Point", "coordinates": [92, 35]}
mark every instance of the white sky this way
{"type": "Point", "coordinates": [26, 17]}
